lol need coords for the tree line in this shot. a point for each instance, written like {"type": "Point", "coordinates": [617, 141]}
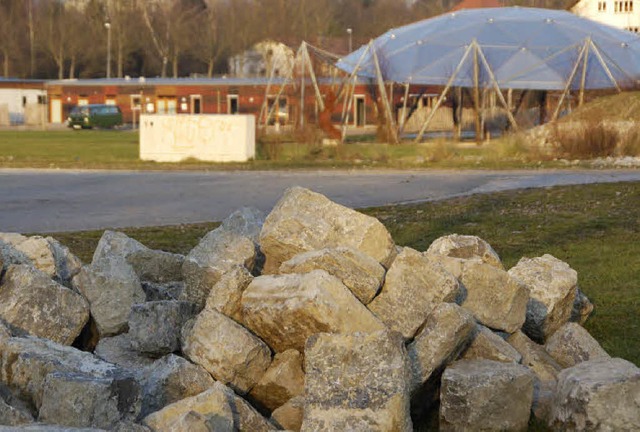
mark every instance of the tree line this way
{"type": "Point", "coordinates": [71, 38]}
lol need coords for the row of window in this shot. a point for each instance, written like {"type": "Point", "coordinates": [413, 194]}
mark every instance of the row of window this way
{"type": "Point", "coordinates": [618, 6]}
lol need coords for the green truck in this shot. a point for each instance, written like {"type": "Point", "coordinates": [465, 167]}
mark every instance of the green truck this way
{"type": "Point", "coordinates": [98, 116]}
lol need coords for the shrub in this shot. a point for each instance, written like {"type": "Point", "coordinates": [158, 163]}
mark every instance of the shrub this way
{"type": "Point", "coordinates": [585, 140]}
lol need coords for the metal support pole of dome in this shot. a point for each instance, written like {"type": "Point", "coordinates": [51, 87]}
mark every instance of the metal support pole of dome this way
{"type": "Point", "coordinates": [604, 65]}
{"type": "Point", "coordinates": [383, 95]}
{"type": "Point", "coordinates": [443, 94]}
{"type": "Point", "coordinates": [353, 77]}
{"type": "Point", "coordinates": [568, 84]}
{"type": "Point", "coordinates": [585, 65]}
{"type": "Point", "coordinates": [302, 84]}
{"type": "Point", "coordinates": [403, 118]}
{"type": "Point", "coordinates": [312, 74]}
{"type": "Point", "coordinates": [263, 108]}
{"type": "Point", "coordinates": [497, 88]}
{"type": "Point", "coordinates": [476, 92]}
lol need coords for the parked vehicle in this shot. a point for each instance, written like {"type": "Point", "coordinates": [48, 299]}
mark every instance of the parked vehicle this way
{"type": "Point", "coordinates": [90, 116]}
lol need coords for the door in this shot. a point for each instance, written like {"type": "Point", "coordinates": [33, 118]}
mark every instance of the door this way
{"type": "Point", "coordinates": [196, 104]}
{"type": "Point", "coordinates": [56, 110]}
{"type": "Point", "coordinates": [232, 104]}
{"type": "Point", "coordinates": [359, 108]}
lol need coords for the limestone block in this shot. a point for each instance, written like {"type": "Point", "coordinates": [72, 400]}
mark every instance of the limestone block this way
{"type": "Point", "coordinates": [489, 346]}
{"type": "Point", "coordinates": [485, 395]}
{"type": "Point", "coordinates": [119, 351]}
{"type": "Point", "coordinates": [359, 272]}
{"type": "Point", "coordinates": [552, 291]}
{"type": "Point", "coordinates": [413, 287]}
{"type": "Point", "coordinates": [496, 299]}
{"type": "Point", "coordinates": [226, 295]}
{"type": "Point", "coordinates": [35, 248]}
{"type": "Point", "coordinates": [582, 308]}
{"type": "Point", "coordinates": [162, 291]}
{"type": "Point", "coordinates": [598, 395]}
{"type": "Point", "coordinates": [111, 287]}
{"type": "Point", "coordinates": [10, 255]}
{"type": "Point", "coordinates": [26, 362]}
{"type": "Point", "coordinates": [156, 266]}
{"type": "Point", "coordinates": [218, 252]}
{"type": "Point", "coordinates": [304, 221]}
{"type": "Point", "coordinates": [535, 357]}
{"type": "Point", "coordinates": [467, 247]}
{"type": "Point", "coordinates": [572, 344]}
{"type": "Point", "coordinates": [115, 244]}
{"type": "Point", "coordinates": [357, 381]}
{"type": "Point", "coordinates": [13, 410]}
{"type": "Point", "coordinates": [32, 302]}
{"type": "Point", "coordinates": [79, 400]}
{"type": "Point", "coordinates": [226, 350]}
{"type": "Point", "coordinates": [446, 333]}
{"type": "Point", "coordinates": [283, 380]}
{"type": "Point", "coordinates": [170, 379]}
{"type": "Point", "coordinates": [285, 310]}
{"type": "Point", "coordinates": [289, 416]}
{"type": "Point", "coordinates": [154, 327]}
{"type": "Point", "coordinates": [67, 264]}
{"type": "Point", "coordinates": [246, 221]}
{"type": "Point", "coordinates": [217, 403]}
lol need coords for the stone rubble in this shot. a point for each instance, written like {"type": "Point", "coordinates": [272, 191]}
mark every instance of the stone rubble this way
{"type": "Point", "coordinates": [309, 318]}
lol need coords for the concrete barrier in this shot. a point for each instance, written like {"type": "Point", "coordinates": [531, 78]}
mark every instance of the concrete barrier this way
{"type": "Point", "coordinates": [211, 138]}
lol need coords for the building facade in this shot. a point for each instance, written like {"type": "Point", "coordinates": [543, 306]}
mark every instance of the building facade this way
{"type": "Point", "coordinates": [622, 14]}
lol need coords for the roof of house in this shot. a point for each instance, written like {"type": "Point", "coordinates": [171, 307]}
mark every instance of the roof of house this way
{"type": "Point", "coordinates": [476, 4]}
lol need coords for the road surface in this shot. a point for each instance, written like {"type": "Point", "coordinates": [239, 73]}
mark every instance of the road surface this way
{"type": "Point", "coordinates": [65, 200]}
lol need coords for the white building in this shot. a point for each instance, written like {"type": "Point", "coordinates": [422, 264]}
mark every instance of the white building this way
{"type": "Point", "coordinates": [265, 59]}
{"type": "Point", "coordinates": [22, 102]}
{"type": "Point", "coordinates": [623, 14]}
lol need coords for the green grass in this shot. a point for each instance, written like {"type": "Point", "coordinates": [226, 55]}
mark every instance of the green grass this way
{"type": "Point", "coordinates": [594, 228]}
{"type": "Point", "coordinates": [106, 149]}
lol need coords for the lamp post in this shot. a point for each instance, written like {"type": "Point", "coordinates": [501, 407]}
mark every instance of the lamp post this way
{"type": "Point", "coordinates": [107, 25]}
{"type": "Point", "coordinates": [350, 32]}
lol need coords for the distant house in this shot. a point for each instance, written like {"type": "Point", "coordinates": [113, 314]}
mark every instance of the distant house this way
{"type": "Point", "coordinates": [621, 14]}
{"type": "Point", "coordinates": [265, 59]}
{"type": "Point", "coordinates": [476, 4]}
{"type": "Point", "coordinates": [22, 101]}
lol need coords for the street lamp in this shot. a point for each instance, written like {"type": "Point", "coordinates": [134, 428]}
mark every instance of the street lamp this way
{"type": "Point", "coordinates": [107, 25]}
{"type": "Point", "coordinates": [350, 32]}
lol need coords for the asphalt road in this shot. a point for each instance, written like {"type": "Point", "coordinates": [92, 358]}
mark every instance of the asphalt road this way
{"type": "Point", "coordinates": [60, 200]}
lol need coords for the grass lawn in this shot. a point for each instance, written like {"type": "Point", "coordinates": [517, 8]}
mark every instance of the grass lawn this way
{"type": "Point", "coordinates": [107, 149]}
{"type": "Point", "coordinates": [594, 228]}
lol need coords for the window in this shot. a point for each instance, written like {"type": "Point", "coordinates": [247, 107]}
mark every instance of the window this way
{"type": "Point", "coordinates": [42, 99]}
{"type": "Point", "coordinates": [602, 6]}
{"type": "Point", "coordinates": [136, 102]}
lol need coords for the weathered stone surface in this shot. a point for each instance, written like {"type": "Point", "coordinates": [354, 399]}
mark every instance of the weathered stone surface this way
{"type": "Point", "coordinates": [359, 272]}
{"type": "Point", "coordinates": [489, 346]}
{"type": "Point", "coordinates": [552, 290]}
{"type": "Point", "coordinates": [226, 350]}
{"type": "Point", "coordinates": [413, 287]}
{"type": "Point", "coordinates": [226, 295]}
{"type": "Point", "coordinates": [289, 416]}
{"type": "Point", "coordinates": [285, 310]}
{"type": "Point", "coordinates": [283, 380]}
{"type": "Point", "coordinates": [171, 379]}
{"type": "Point", "coordinates": [304, 221]}
{"type": "Point", "coordinates": [572, 344]}
{"type": "Point", "coordinates": [156, 266]}
{"type": "Point", "coordinates": [447, 332]}
{"type": "Point", "coordinates": [163, 291]}
{"type": "Point", "coordinates": [10, 255]}
{"type": "Point", "coordinates": [5, 332]}
{"type": "Point", "coordinates": [598, 395]}
{"type": "Point", "coordinates": [357, 381]}
{"type": "Point", "coordinates": [80, 400]}
{"type": "Point", "coordinates": [40, 427]}
{"type": "Point", "coordinates": [32, 302]}
{"type": "Point", "coordinates": [582, 308]}
{"type": "Point", "coordinates": [154, 327]}
{"type": "Point", "coordinates": [114, 244]}
{"type": "Point", "coordinates": [118, 350]}
{"type": "Point", "coordinates": [218, 252]}
{"type": "Point", "coordinates": [467, 247]}
{"type": "Point", "coordinates": [26, 362]}
{"type": "Point", "coordinates": [129, 426]}
{"type": "Point", "coordinates": [216, 404]}
{"type": "Point", "coordinates": [496, 299]}
{"type": "Point", "coordinates": [35, 248]}
{"type": "Point", "coordinates": [111, 287]}
{"type": "Point", "coordinates": [485, 395]}
{"type": "Point", "coordinates": [13, 411]}
{"type": "Point", "coordinates": [535, 357]}
{"type": "Point", "coordinates": [67, 264]}
{"type": "Point", "coordinates": [246, 221]}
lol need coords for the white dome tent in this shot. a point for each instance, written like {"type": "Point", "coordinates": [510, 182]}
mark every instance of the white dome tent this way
{"type": "Point", "coordinates": [501, 48]}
